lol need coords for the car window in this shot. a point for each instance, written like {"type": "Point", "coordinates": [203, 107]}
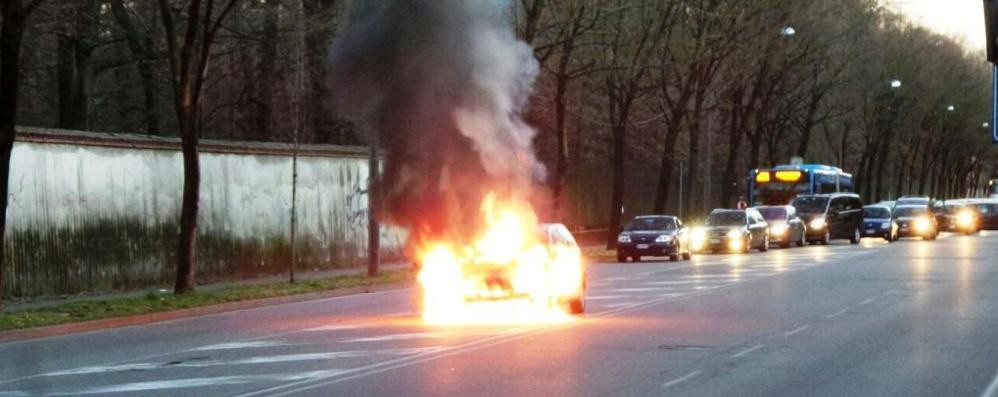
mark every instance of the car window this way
{"type": "Point", "coordinates": [810, 205]}
{"type": "Point", "coordinates": [837, 205]}
{"type": "Point", "coordinates": [651, 224]}
{"type": "Point", "coordinates": [726, 218]}
{"type": "Point", "coordinates": [876, 213]}
{"type": "Point", "coordinates": [773, 213]}
{"type": "Point", "coordinates": [911, 211]}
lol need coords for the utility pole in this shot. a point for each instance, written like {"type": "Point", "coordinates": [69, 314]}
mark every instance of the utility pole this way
{"type": "Point", "coordinates": [373, 227]}
{"type": "Point", "coordinates": [295, 148]}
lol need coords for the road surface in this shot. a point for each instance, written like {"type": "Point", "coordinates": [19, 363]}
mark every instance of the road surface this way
{"type": "Point", "coordinates": [904, 319]}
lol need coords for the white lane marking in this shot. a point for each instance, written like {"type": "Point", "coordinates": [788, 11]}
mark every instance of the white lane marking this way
{"type": "Point", "coordinates": [680, 282]}
{"type": "Point", "coordinates": [890, 292]}
{"type": "Point", "coordinates": [681, 379]}
{"type": "Point", "coordinates": [747, 351]}
{"type": "Point", "coordinates": [797, 330]}
{"type": "Point", "coordinates": [866, 302]}
{"type": "Point", "coordinates": [270, 359]}
{"type": "Point", "coordinates": [241, 345]}
{"type": "Point", "coordinates": [477, 344]}
{"type": "Point", "coordinates": [200, 382]}
{"type": "Point", "coordinates": [383, 338]}
{"type": "Point", "coordinates": [703, 287]}
{"type": "Point", "coordinates": [992, 390]}
{"type": "Point", "coordinates": [672, 295]}
{"type": "Point", "coordinates": [618, 278]}
{"type": "Point", "coordinates": [637, 289]}
{"type": "Point", "coordinates": [709, 276]}
{"type": "Point", "coordinates": [836, 314]}
{"type": "Point", "coordinates": [620, 305]}
{"type": "Point", "coordinates": [606, 297]}
{"type": "Point", "coordinates": [339, 327]}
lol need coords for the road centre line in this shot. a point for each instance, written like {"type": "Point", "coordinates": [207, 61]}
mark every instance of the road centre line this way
{"type": "Point", "coordinates": [797, 330]}
{"type": "Point", "coordinates": [682, 379]}
{"type": "Point", "coordinates": [747, 351]}
{"type": "Point", "coordinates": [383, 366]}
{"type": "Point", "coordinates": [836, 314]}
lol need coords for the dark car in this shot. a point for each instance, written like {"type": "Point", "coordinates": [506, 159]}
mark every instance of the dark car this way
{"type": "Point", "coordinates": [831, 216]}
{"type": "Point", "coordinates": [916, 221]}
{"type": "Point", "coordinates": [732, 230]}
{"type": "Point", "coordinates": [987, 210]}
{"type": "Point", "coordinates": [878, 221]}
{"type": "Point", "coordinates": [785, 227]}
{"type": "Point", "coordinates": [957, 216]}
{"type": "Point", "coordinates": [654, 235]}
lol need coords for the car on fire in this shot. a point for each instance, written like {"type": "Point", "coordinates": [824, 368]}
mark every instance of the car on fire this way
{"type": "Point", "coordinates": [916, 221]}
{"type": "Point", "coordinates": [878, 221]}
{"type": "Point", "coordinates": [654, 235]}
{"type": "Point", "coordinates": [557, 238]}
{"type": "Point", "coordinates": [785, 227]}
{"type": "Point", "coordinates": [732, 230]}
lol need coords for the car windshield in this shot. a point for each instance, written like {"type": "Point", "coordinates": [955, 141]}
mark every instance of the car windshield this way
{"type": "Point", "coordinates": [651, 224]}
{"type": "Point", "coordinates": [911, 211]}
{"type": "Point", "coordinates": [727, 218]}
{"type": "Point", "coordinates": [876, 213]}
{"type": "Point", "coordinates": [810, 205]}
{"type": "Point", "coordinates": [773, 213]}
{"type": "Point", "coordinates": [986, 209]}
{"type": "Point", "coordinates": [912, 201]}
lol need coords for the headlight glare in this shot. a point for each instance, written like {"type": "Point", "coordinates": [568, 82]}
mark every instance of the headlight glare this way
{"type": "Point", "coordinates": [665, 238]}
{"type": "Point", "coordinates": [885, 225]}
{"type": "Point", "coordinates": [735, 234]}
{"type": "Point", "coordinates": [778, 229]}
{"type": "Point", "coordinates": [624, 238]}
{"type": "Point", "coordinates": [817, 223]}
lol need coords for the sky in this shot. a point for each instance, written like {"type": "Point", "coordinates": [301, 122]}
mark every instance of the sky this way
{"type": "Point", "coordinates": [962, 19]}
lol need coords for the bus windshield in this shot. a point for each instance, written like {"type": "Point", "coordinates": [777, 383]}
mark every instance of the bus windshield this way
{"type": "Point", "coordinates": [780, 193]}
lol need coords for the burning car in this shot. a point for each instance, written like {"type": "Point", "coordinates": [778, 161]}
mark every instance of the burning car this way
{"type": "Point", "coordinates": [516, 270]}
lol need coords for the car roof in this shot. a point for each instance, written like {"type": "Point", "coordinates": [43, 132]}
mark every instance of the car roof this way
{"type": "Point", "coordinates": [773, 206]}
{"type": "Point", "coordinates": [877, 206]}
{"type": "Point", "coordinates": [830, 195]}
{"type": "Point", "coordinates": [654, 216]}
{"type": "Point", "coordinates": [911, 206]}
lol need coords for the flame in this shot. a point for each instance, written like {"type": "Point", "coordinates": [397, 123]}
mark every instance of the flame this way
{"type": "Point", "coordinates": [508, 274]}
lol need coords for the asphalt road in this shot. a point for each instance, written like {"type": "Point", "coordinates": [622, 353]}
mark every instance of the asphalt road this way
{"type": "Point", "coordinates": [904, 319]}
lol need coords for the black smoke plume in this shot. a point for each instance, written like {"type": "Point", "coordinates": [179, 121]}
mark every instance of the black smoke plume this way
{"type": "Point", "coordinates": [443, 84]}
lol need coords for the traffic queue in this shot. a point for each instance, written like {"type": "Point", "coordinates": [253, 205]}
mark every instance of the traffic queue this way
{"type": "Point", "coordinates": [815, 219]}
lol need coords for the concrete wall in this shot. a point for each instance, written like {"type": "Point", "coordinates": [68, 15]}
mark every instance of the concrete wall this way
{"type": "Point", "coordinates": [92, 212]}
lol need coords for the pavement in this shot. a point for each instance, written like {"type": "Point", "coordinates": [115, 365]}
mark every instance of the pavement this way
{"type": "Point", "coordinates": [904, 319]}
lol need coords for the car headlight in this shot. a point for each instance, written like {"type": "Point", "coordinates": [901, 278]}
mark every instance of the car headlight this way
{"type": "Point", "coordinates": [778, 229]}
{"type": "Point", "coordinates": [965, 219]}
{"type": "Point", "coordinates": [735, 234]}
{"type": "Point", "coordinates": [665, 238]}
{"type": "Point", "coordinates": [922, 225]}
{"type": "Point", "coordinates": [624, 238]}
{"type": "Point", "coordinates": [817, 223]}
{"type": "Point", "coordinates": [885, 225]}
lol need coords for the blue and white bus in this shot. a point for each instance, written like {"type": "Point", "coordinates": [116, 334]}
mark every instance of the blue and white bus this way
{"type": "Point", "coordinates": [780, 184]}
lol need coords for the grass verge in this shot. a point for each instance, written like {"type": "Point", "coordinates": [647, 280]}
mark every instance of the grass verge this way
{"type": "Point", "coordinates": [154, 302]}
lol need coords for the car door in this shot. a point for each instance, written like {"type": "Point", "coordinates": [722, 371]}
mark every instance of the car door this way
{"type": "Point", "coordinates": [757, 227]}
{"type": "Point", "coordinates": [836, 219]}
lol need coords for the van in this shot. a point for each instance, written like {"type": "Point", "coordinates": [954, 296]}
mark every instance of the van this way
{"type": "Point", "coordinates": [831, 216]}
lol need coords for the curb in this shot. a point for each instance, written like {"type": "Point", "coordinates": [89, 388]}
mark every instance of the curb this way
{"type": "Point", "coordinates": [150, 318]}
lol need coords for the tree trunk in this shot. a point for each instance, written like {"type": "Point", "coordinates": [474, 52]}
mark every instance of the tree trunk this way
{"type": "Point", "coordinates": [668, 160]}
{"type": "Point", "coordinates": [140, 45]}
{"type": "Point", "coordinates": [619, 156]}
{"type": "Point", "coordinates": [266, 83]}
{"type": "Point", "coordinates": [317, 40]}
{"type": "Point", "coordinates": [13, 16]}
{"type": "Point", "coordinates": [561, 165]}
{"type": "Point", "coordinates": [734, 142]}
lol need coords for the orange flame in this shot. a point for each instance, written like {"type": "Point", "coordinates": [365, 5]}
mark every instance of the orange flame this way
{"type": "Point", "coordinates": [509, 274]}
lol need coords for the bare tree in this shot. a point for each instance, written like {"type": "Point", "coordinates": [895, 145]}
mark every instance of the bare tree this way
{"type": "Point", "coordinates": [189, 55]}
{"type": "Point", "coordinates": [13, 17]}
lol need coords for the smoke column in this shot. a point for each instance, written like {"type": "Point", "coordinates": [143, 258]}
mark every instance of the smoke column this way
{"type": "Point", "coordinates": [442, 83]}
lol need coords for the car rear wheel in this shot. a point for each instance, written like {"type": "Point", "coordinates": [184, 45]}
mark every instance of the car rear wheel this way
{"type": "Point", "coordinates": [636, 258]}
{"type": "Point", "coordinates": [855, 236]}
{"type": "Point", "coordinates": [826, 238]}
{"type": "Point", "coordinates": [621, 258]}
{"type": "Point", "coordinates": [688, 255]}
{"type": "Point", "coordinates": [674, 257]}
{"type": "Point", "coordinates": [803, 238]}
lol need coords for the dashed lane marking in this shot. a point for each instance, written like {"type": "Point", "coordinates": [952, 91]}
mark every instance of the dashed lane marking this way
{"type": "Point", "coordinates": [747, 351]}
{"type": "Point", "coordinates": [681, 379]}
{"type": "Point", "coordinates": [836, 314]}
{"type": "Point", "coordinates": [797, 330]}
{"type": "Point", "coordinates": [867, 302]}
